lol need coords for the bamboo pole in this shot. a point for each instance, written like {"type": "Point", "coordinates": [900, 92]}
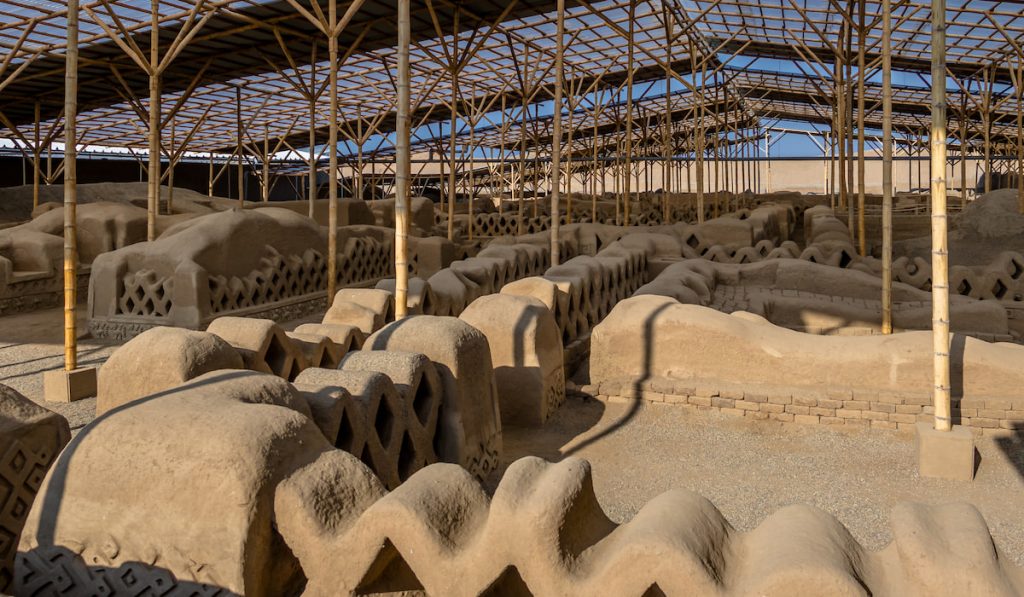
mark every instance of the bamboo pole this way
{"type": "Point", "coordinates": [452, 191]}
{"type": "Point", "coordinates": [71, 189]}
{"type": "Point", "coordinates": [940, 254]}
{"type": "Point", "coordinates": [521, 205]}
{"type": "Point", "coordinates": [153, 187]}
{"type": "Point", "coordinates": [831, 140]}
{"type": "Point", "coordinates": [332, 147]}
{"type": "Point", "coordinates": [920, 150]}
{"type": "Point", "coordinates": [568, 161]}
{"type": "Point", "coordinates": [840, 118]}
{"type": "Point", "coordinates": [402, 166]}
{"type": "Point", "coordinates": [312, 138]}
{"type": "Point", "coordinates": [505, 123]}
{"type": "Point", "coordinates": [666, 140]}
{"type": "Point", "coordinates": [240, 148]}
{"type": "Point", "coordinates": [266, 165]}
{"type": "Point", "coordinates": [556, 125]}
{"type": "Point", "coordinates": [360, 164]}
{"type": "Point", "coordinates": [171, 161]}
{"type": "Point", "coordinates": [36, 156]}
{"type": "Point", "coordinates": [1020, 134]}
{"type": "Point", "coordinates": [963, 152]}
{"type": "Point", "coordinates": [628, 157]}
{"type": "Point", "coordinates": [886, 166]}
{"type": "Point", "coordinates": [699, 134]}
{"type": "Point", "coordinates": [986, 126]}
{"type": "Point", "coordinates": [593, 196]}
{"type": "Point", "coordinates": [862, 244]}
{"type": "Point", "coordinates": [850, 122]}
{"type": "Point", "coordinates": [471, 179]}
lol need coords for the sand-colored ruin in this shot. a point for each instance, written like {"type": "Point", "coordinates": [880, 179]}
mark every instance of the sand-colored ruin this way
{"type": "Point", "coordinates": [362, 433]}
{"type": "Point", "coordinates": [639, 298]}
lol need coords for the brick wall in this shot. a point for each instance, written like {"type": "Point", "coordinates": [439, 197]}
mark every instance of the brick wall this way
{"type": "Point", "coordinates": [890, 411]}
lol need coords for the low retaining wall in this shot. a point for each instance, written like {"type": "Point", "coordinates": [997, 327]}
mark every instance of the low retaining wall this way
{"type": "Point", "coordinates": [657, 349]}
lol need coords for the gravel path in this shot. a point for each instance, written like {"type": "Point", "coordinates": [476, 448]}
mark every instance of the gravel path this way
{"type": "Point", "coordinates": [750, 469]}
{"type": "Point", "coordinates": [32, 343]}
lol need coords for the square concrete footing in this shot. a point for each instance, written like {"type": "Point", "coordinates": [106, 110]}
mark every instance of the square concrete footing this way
{"type": "Point", "coordinates": [945, 454]}
{"type": "Point", "coordinates": [69, 386]}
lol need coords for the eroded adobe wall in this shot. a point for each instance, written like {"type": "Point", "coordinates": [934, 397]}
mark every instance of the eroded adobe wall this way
{"type": "Point", "coordinates": [272, 508]}
{"type": "Point", "coordinates": [653, 347]}
{"type": "Point", "coordinates": [820, 299]}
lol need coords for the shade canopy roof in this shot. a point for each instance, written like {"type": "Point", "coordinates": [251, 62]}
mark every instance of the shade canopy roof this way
{"type": "Point", "coordinates": [255, 70]}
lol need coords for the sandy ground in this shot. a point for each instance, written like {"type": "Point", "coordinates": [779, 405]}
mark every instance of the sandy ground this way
{"type": "Point", "coordinates": [749, 469]}
{"type": "Point", "coordinates": [32, 343]}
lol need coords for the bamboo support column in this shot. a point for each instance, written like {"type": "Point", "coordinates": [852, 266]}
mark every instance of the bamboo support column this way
{"type": "Point", "coordinates": [986, 128]}
{"type": "Point", "coordinates": [452, 191]}
{"type": "Point", "coordinates": [630, 44]}
{"type": "Point", "coordinates": [402, 166]}
{"type": "Point", "coordinates": [698, 149]}
{"type": "Point", "coordinates": [920, 151]}
{"type": "Point", "coordinates": [471, 179]}
{"type": "Point", "coordinates": [153, 195]}
{"type": "Point", "coordinates": [312, 135]}
{"type": "Point", "coordinates": [568, 162]}
{"type": "Point", "coordinates": [715, 150]}
{"type": "Point", "coordinates": [332, 147]}
{"type": "Point", "coordinates": [830, 139]}
{"type": "Point", "coordinates": [37, 155]}
{"type": "Point", "coordinates": [71, 189]}
{"type": "Point", "coordinates": [666, 139]}
{"type": "Point", "coordinates": [360, 192]}
{"type": "Point", "coordinates": [521, 206]}
{"type": "Point", "coordinates": [240, 148]}
{"type": "Point", "coordinates": [556, 125]}
{"type": "Point", "coordinates": [171, 161]}
{"type": "Point", "coordinates": [940, 254]}
{"type": "Point", "coordinates": [850, 122]}
{"type": "Point", "coordinates": [593, 196]}
{"type": "Point", "coordinates": [862, 41]}
{"type": "Point", "coordinates": [886, 166]}
{"type": "Point", "coordinates": [265, 188]}
{"type": "Point", "coordinates": [840, 118]}
{"type": "Point", "coordinates": [503, 153]}
{"type": "Point", "coordinates": [1020, 134]}
{"type": "Point", "coordinates": [963, 152]}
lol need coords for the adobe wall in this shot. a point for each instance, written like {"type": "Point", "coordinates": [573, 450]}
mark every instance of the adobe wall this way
{"type": "Point", "coordinates": [267, 262]}
{"type": "Point", "coordinates": [820, 299]}
{"type": "Point", "coordinates": [273, 508]}
{"type": "Point", "coordinates": [743, 365]}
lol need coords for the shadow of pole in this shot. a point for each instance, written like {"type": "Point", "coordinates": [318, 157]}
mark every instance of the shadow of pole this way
{"type": "Point", "coordinates": [54, 496]}
{"type": "Point", "coordinates": [648, 335]}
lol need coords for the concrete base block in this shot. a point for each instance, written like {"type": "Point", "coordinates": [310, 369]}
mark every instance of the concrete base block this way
{"type": "Point", "coordinates": [945, 454]}
{"type": "Point", "coordinates": [69, 386]}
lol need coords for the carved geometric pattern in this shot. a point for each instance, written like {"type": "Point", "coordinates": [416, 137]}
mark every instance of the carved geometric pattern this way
{"type": "Point", "coordinates": [144, 294]}
{"type": "Point", "coordinates": [57, 571]}
{"type": "Point", "coordinates": [278, 278]}
{"type": "Point", "coordinates": [21, 474]}
{"type": "Point", "coordinates": [364, 259]}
